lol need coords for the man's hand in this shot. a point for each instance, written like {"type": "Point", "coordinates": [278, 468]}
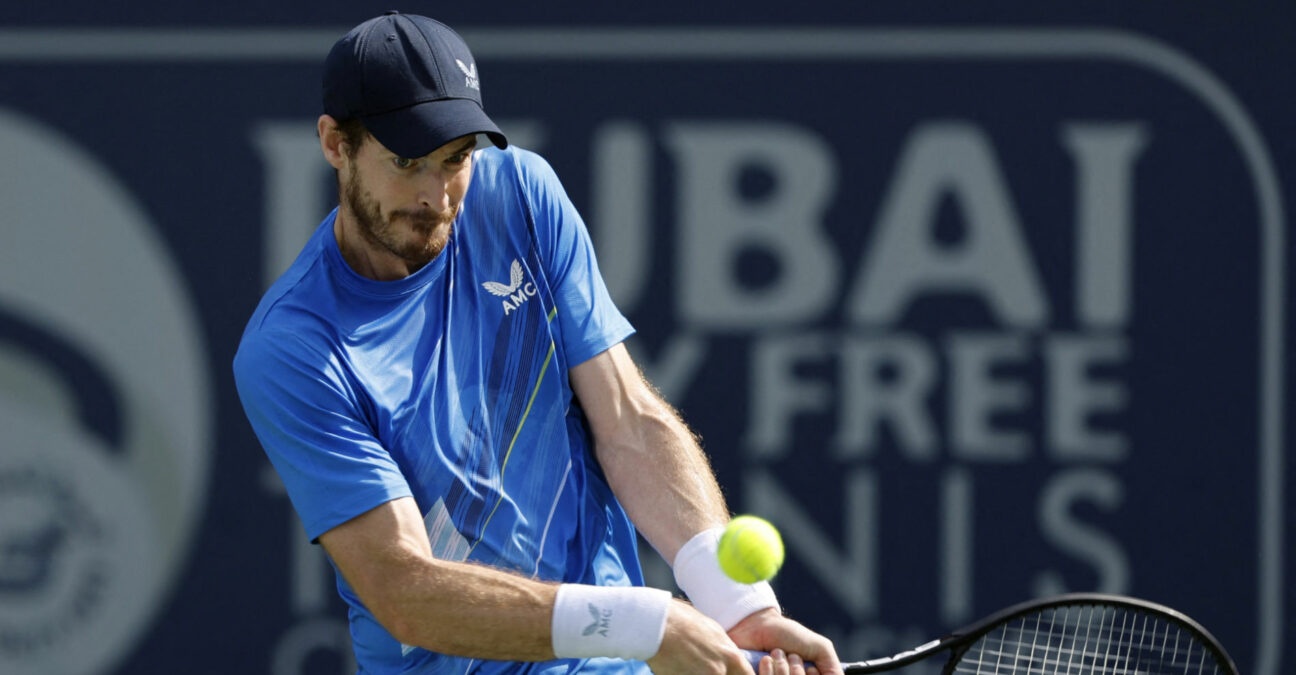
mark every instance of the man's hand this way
{"type": "Point", "coordinates": [770, 631]}
{"type": "Point", "coordinates": [696, 645]}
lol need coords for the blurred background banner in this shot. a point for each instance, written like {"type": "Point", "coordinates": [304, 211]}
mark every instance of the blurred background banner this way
{"type": "Point", "coordinates": [976, 305]}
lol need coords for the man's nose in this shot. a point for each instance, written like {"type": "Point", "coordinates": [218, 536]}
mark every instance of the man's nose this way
{"type": "Point", "coordinates": [432, 191]}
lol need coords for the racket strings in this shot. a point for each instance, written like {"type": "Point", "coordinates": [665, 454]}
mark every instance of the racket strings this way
{"type": "Point", "coordinates": [1089, 640]}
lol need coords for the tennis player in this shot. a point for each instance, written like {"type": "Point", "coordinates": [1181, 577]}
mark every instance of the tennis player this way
{"type": "Point", "coordinates": [439, 378]}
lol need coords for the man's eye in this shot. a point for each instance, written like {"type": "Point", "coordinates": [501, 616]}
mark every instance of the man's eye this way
{"type": "Point", "coordinates": [403, 162]}
{"type": "Point", "coordinates": [458, 159]}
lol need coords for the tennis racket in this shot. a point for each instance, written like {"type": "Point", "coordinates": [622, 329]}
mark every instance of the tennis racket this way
{"type": "Point", "coordinates": [1073, 634]}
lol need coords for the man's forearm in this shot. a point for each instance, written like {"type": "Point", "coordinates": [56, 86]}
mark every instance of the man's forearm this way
{"type": "Point", "coordinates": [452, 608]}
{"type": "Point", "coordinates": [652, 460]}
{"type": "Point", "coordinates": [473, 611]}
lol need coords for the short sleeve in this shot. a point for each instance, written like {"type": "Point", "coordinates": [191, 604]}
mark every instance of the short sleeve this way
{"type": "Point", "coordinates": [589, 320]}
{"type": "Point", "coordinates": [312, 428]}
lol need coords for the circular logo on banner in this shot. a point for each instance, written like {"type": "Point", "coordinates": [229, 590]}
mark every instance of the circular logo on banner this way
{"type": "Point", "coordinates": [78, 550]}
{"type": "Point", "coordinates": [104, 403]}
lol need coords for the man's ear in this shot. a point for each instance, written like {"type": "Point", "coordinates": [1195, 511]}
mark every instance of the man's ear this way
{"type": "Point", "coordinates": [332, 141]}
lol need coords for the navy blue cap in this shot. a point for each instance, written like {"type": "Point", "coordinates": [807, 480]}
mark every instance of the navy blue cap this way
{"type": "Point", "coordinates": [411, 80]}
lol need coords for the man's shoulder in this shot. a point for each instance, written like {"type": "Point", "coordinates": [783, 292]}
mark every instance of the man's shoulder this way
{"type": "Point", "coordinates": [292, 305]}
{"type": "Point", "coordinates": [284, 334]}
{"type": "Point", "coordinates": [512, 165]}
{"type": "Point", "coordinates": [513, 155]}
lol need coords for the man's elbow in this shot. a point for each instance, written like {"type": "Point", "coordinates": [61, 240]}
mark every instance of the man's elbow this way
{"type": "Point", "coordinates": [403, 627]}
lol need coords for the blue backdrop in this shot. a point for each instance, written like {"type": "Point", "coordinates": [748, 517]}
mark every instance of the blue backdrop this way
{"type": "Point", "coordinates": [977, 303]}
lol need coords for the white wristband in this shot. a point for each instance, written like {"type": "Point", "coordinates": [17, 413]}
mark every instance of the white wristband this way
{"type": "Point", "coordinates": [618, 621]}
{"type": "Point", "coordinates": [698, 573]}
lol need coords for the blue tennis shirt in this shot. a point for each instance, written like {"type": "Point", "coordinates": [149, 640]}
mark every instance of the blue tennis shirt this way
{"type": "Point", "coordinates": [450, 386]}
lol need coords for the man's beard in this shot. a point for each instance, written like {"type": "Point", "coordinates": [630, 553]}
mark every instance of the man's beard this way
{"type": "Point", "coordinates": [416, 237]}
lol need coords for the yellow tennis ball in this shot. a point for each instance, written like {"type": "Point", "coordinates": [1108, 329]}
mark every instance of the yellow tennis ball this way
{"type": "Point", "coordinates": [750, 550]}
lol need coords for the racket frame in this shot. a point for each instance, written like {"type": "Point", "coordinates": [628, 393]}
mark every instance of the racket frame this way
{"type": "Point", "coordinates": [960, 640]}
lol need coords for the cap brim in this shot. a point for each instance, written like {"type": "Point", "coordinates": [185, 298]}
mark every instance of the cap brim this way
{"type": "Point", "coordinates": [422, 128]}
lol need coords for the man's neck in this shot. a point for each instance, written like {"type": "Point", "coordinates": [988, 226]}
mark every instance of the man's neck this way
{"type": "Point", "coordinates": [366, 258]}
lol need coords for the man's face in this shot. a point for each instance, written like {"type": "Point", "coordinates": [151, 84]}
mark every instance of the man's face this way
{"type": "Point", "coordinates": [405, 207]}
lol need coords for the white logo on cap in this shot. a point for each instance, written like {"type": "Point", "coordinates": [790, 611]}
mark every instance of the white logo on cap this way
{"type": "Point", "coordinates": [470, 75]}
